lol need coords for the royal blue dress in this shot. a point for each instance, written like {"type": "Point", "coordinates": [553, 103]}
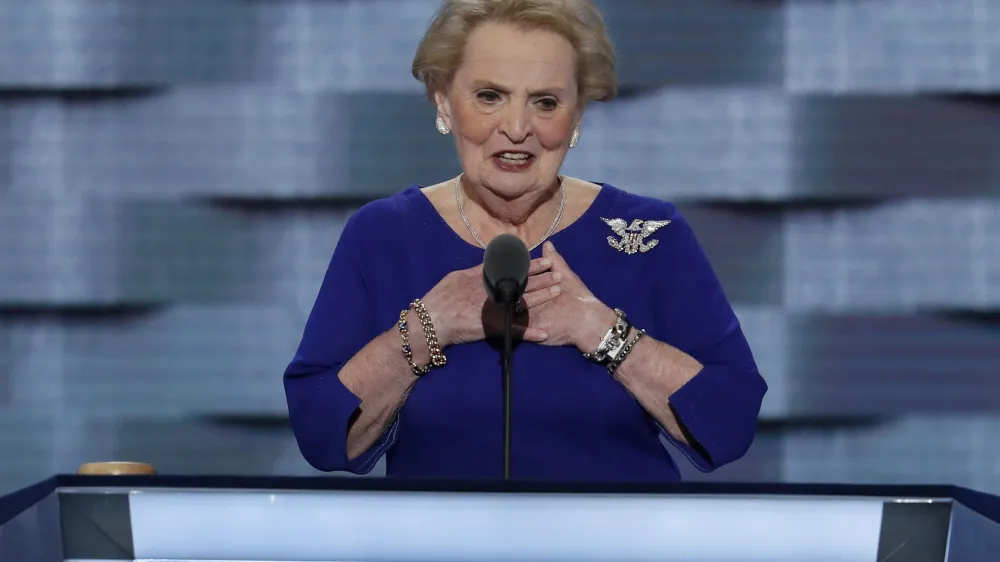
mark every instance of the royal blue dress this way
{"type": "Point", "coordinates": [570, 419]}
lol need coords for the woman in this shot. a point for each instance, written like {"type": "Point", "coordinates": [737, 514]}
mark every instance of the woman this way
{"type": "Point", "coordinates": [625, 337]}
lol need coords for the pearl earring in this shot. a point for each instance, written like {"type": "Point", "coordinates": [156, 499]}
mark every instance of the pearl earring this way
{"type": "Point", "coordinates": [575, 139]}
{"type": "Point", "coordinates": [442, 127]}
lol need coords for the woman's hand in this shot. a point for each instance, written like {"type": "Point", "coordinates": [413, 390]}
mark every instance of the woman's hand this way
{"type": "Point", "coordinates": [461, 311]}
{"type": "Point", "coordinates": [574, 316]}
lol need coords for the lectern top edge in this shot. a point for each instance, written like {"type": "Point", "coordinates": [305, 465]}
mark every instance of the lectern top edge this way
{"type": "Point", "coordinates": [306, 484]}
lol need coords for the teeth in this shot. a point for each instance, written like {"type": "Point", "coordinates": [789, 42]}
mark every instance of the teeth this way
{"type": "Point", "coordinates": [514, 156]}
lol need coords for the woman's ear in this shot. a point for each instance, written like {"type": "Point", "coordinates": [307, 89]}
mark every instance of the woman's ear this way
{"type": "Point", "coordinates": [443, 108]}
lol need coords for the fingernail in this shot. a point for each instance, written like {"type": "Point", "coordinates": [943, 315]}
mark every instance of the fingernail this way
{"type": "Point", "coordinates": [544, 262]}
{"type": "Point", "coordinates": [543, 335]}
{"type": "Point", "coordinates": [556, 289]}
{"type": "Point", "coordinates": [549, 246]}
{"type": "Point", "coordinates": [557, 276]}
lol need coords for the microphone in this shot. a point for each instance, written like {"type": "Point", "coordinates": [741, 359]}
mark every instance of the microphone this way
{"type": "Point", "coordinates": [505, 274]}
{"type": "Point", "coordinates": [505, 269]}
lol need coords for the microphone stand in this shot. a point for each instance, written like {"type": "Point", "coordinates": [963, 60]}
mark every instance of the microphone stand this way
{"type": "Point", "coordinates": [506, 359]}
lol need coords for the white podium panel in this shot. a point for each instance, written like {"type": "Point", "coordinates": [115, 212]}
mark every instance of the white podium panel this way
{"type": "Point", "coordinates": [356, 526]}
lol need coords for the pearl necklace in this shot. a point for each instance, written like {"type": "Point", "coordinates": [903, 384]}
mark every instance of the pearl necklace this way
{"type": "Point", "coordinates": [552, 228]}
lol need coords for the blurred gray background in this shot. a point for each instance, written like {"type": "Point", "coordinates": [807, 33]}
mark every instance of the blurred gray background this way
{"type": "Point", "coordinates": [174, 175]}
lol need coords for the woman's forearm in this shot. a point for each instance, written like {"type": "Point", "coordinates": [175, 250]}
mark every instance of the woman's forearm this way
{"type": "Point", "coordinates": [652, 373]}
{"type": "Point", "coordinates": [380, 376]}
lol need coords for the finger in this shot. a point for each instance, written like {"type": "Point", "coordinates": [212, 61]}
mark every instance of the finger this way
{"type": "Point", "coordinates": [543, 281]}
{"type": "Point", "coordinates": [549, 252]}
{"type": "Point", "coordinates": [541, 296]}
{"type": "Point", "coordinates": [539, 265]}
{"type": "Point", "coordinates": [534, 334]}
{"type": "Point", "coordinates": [530, 333]}
{"type": "Point", "coordinates": [558, 262]}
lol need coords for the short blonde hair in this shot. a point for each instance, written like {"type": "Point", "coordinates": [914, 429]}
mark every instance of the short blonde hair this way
{"type": "Point", "coordinates": [579, 21]}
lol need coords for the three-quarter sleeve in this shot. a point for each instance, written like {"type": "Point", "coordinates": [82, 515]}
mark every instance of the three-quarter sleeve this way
{"type": "Point", "coordinates": [320, 407]}
{"type": "Point", "coordinates": [720, 406]}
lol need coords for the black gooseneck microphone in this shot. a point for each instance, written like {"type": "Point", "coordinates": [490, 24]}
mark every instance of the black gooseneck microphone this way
{"type": "Point", "coordinates": [505, 274]}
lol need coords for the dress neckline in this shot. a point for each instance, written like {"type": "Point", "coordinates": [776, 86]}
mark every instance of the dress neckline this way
{"type": "Point", "coordinates": [605, 198]}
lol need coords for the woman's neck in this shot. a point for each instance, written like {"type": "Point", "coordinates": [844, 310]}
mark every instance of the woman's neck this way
{"type": "Point", "coordinates": [528, 216]}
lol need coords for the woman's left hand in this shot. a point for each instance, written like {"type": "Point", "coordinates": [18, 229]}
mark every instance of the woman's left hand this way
{"type": "Point", "coordinates": [575, 317]}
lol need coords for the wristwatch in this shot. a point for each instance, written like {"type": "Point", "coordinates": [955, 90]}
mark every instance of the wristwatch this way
{"type": "Point", "coordinates": [613, 342]}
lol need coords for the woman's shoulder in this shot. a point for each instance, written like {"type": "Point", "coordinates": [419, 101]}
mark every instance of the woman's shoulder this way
{"type": "Point", "coordinates": [643, 207]}
{"type": "Point", "coordinates": [388, 214]}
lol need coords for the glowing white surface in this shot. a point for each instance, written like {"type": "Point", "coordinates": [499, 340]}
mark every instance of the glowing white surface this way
{"type": "Point", "coordinates": [426, 527]}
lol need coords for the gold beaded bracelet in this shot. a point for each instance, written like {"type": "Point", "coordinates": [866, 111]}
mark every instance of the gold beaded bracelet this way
{"type": "Point", "coordinates": [433, 347]}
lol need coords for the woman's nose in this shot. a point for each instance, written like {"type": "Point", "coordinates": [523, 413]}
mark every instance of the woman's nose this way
{"type": "Point", "coordinates": [515, 123]}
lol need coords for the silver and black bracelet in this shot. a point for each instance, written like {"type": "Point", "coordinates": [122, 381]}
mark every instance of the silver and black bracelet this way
{"type": "Point", "coordinates": [612, 367]}
{"type": "Point", "coordinates": [614, 345]}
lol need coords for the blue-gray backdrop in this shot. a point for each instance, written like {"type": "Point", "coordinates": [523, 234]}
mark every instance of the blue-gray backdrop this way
{"type": "Point", "coordinates": [174, 176]}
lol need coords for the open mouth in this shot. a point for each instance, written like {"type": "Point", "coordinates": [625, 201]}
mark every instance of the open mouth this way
{"type": "Point", "coordinates": [513, 161]}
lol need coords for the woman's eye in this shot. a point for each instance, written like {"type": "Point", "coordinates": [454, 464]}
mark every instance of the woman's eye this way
{"type": "Point", "coordinates": [489, 96]}
{"type": "Point", "coordinates": [548, 104]}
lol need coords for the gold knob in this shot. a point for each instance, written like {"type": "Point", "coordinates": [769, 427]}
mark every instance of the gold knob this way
{"type": "Point", "coordinates": [115, 469]}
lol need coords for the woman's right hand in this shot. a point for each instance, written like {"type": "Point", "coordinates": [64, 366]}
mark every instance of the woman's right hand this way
{"type": "Point", "coordinates": [458, 304]}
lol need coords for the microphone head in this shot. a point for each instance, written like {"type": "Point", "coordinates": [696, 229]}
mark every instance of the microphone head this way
{"type": "Point", "coordinates": [505, 268]}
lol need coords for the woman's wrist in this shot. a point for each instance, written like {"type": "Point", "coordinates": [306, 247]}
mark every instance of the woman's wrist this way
{"type": "Point", "coordinates": [418, 343]}
{"type": "Point", "coordinates": [439, 324]}
{"type": "Point", "coordinates": [421, 345]}
{"type": "Point", "coordinates": [596, 322]}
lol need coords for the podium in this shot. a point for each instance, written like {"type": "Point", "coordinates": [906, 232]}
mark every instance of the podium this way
{"type": "Point", "coordinates": [174, 518]}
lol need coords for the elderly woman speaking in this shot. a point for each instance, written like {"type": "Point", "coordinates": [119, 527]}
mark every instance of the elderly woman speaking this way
{"type": "Point", "coordinates": [625, 337]}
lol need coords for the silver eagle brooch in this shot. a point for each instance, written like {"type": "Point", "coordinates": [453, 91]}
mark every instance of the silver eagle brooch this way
{"type": "Point", "coordinates": [633, 236]}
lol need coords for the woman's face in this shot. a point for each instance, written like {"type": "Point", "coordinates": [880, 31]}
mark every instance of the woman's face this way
{"type": "Point", "coordinates": [512, 107]}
